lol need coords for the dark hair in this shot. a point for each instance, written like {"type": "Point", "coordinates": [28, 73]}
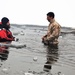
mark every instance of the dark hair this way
{"type": "Point", "coordinates": [51, 14]}
{"type": "Point", "coordinates": [4, 20]}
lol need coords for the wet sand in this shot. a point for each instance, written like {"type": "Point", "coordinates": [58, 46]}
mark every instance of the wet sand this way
{"type": "Point", "coordinates": [36, 58]}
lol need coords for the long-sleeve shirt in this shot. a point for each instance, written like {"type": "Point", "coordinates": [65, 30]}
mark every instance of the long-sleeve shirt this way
{"type": "Point", "coordinates": [5, 35]}
{"type": "Point", "coordinates": [53, 31]}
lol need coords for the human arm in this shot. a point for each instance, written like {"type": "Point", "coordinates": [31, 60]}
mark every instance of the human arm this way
{"type": "Point", "coordinates": [4, 36]}
{"type": "Point", "coordinates": [55, 30]}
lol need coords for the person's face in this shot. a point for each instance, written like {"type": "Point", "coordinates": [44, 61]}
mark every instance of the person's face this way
{"type": "Point", "coordinates": [49, 18]}
{"type": "Point", "coordinates": [8, 24]}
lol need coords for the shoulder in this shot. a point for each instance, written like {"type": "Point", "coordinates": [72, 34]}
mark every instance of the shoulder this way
{"type": "Point", "coordinates": [2, 29]}
{"type": "Point", "coordinates": [56, 24]}
{"type": "Point", "coordinates": [2, 32]}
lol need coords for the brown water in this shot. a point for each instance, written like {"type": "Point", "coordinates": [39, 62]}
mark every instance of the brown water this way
{"type": "Point", "coordinates": [38, 59]}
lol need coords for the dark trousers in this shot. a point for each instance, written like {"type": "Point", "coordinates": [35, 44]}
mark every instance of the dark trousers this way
{"type": "Point", "coordinates": [50, 44]}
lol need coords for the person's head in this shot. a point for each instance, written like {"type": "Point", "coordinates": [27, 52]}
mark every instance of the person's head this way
{"type": "Point", "coordinates": [50, 16]}
{"type": "Point", "coordinates": [5, 22]}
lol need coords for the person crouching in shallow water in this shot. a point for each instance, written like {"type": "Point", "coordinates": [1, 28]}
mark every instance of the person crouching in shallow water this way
{"type": "Point", "coordinates": [51, 38]}
{"type": "Point", "coordinates": [5, 33]}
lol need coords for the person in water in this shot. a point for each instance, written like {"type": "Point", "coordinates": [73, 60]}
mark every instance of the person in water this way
{"type": "Point", "coordinates": [5, 33]}
{"type": "Point", "coordinates": [51, 38]}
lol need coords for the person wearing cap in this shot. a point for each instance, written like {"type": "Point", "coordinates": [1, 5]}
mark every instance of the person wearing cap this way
{"type": "Point", "coordinates": [51, 38]}
{"type": "Point", "coordinates": [5, 33]}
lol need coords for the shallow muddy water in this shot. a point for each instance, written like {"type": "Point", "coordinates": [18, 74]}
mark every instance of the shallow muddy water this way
{"type": "Point", "coordinates": [36, 58]}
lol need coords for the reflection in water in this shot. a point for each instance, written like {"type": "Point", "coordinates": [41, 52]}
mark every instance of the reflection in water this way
{"type": "Point", "coordinates": [4, 53]}
{"type": "Point", "coordinates": [52, 56]}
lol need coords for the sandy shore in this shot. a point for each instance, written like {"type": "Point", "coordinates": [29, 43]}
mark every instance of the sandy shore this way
{"type": "Point", "coordinates": [37, 59]}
